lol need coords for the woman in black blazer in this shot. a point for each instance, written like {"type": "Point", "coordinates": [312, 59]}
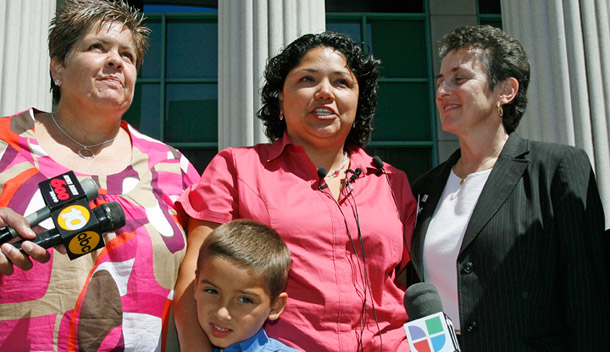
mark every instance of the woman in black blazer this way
{"type": "Point", "coordinates": [510, 231]}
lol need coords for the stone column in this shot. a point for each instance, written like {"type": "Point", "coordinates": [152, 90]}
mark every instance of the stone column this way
{"type": "Point", "coordinates": [249, 32]}
{"type": "Point", "coordinates": [568, 44]}
{"type": "Point", "coordinates": [24, 55]}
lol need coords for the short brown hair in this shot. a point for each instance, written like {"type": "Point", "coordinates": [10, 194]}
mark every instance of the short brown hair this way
{"type": "Point", "coordinates": [503, 57]}
{"type": "Point", "coordinates": [251, 245]}
{"type": "Point", "coordinates": [75, 19]}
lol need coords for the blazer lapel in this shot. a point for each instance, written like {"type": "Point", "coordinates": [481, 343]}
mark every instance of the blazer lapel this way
{"type": "Point", "coordinates": [507, 171]}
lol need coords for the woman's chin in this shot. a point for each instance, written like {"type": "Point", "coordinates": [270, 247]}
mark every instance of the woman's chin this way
{"type": "Point", "coordinates": [113, 103]}
{"type": "Point", "coordinates": [449, 128]}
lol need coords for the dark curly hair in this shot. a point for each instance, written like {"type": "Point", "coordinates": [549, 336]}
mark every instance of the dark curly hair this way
{"type": "Point", "coordinates": [503, 57]}
{"type": "Point", "coordinates": [363, 66]}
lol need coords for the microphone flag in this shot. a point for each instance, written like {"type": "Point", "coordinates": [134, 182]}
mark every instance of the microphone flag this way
{"type": "Point", "coordinates": [431, 334]}
{"type": "Point", "coordinates": [71, 214]}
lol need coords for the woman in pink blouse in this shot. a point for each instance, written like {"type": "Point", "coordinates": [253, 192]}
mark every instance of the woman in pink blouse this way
{"type": "Point", "coordinates": [345, 218]}
{"type": "Point", "coordinates": [118, 297]}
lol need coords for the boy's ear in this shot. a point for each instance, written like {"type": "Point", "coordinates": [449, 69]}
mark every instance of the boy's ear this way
{"type": "Point", "coordinates": [278, 306]}
{"type": "Point", "coordinates": [195, 289]}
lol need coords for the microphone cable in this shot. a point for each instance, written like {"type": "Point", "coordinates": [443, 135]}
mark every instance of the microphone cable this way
{"type": "Point", "coordinates": [364, 276]}
{"type": "Point", "coordinates": [354, 207]}
{"type": "Point", "coordinates": [360, 271]}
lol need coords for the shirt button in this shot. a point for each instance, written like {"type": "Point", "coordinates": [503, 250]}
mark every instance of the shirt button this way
{"type": "Point", "coordinates": [468, 268]}
{"type": "Point", "coordinates": [472, 327]}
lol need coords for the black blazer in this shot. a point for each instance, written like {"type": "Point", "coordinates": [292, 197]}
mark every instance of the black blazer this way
{"type": "Point", "coordinates": [532, 273]}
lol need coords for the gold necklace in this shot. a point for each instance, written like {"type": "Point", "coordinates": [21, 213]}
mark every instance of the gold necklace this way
{"type": "Point", "coordinates": [85, 152]}
{"type": "Point", "coordinates": [463, 179]}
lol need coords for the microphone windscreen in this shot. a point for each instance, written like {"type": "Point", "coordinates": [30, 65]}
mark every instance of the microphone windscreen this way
{"type": "Point", "coordinates": [322, 172]}
{"type": "Point", "coordinates": [116, 215]}
{"type": "Point", "coordinates": [110, 215]}
{"type": "Point", "coordinates": [90, 188]}
{"type": "Point", "coordinates": [377, 162]}
{"type": "Point", "coordinates": [422, 299]}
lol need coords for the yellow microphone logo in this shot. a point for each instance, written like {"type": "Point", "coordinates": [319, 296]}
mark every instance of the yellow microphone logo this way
{"type": "Point", "coordinates": [73, 217]}
{"type": "Point", "coordinates": [84, 242]}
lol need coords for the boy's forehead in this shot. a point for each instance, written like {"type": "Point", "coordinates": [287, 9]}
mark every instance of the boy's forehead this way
{"type": "Point", "coordinates": [228, 270]}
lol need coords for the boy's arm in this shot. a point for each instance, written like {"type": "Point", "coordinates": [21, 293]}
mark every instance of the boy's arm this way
{"type": "Point", "coordinates": [190, 334]}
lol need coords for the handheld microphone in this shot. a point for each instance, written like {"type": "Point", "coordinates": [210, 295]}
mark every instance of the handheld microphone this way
{"type": "Point", "coordinates": [428, 328]}
{"type": "Point", "coordinates": [85, 237]}
{"type": "Point", "coordinates": [321, 174]}
{"type": "Point", "coordinates": [89, 190]}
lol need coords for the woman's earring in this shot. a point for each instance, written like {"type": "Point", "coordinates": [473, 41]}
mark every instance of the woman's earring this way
{"type": "Point", "coordinates": [281, 115]}
{"type": "Point", "coordinates": [500, 110]}
{"type": "Point", "coordinates": [57, 82]}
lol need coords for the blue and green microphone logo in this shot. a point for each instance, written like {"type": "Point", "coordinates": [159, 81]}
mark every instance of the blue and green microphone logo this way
{"type": "Point", "coordinates": [430, 334]}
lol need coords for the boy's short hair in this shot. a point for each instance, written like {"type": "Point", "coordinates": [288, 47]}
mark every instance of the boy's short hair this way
{"type": "Point", "coordinates": [251, 245]}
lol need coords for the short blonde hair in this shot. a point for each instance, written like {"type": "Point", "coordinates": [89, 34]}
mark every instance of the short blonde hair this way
{"type": "Point", "coordinates": [75, 19]}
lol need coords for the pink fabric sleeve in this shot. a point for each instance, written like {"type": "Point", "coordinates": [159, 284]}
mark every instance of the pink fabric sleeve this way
{"type": "Point", "coordinates": [407, 205]}
{"type": "Point", "coordinates": [214, 198]}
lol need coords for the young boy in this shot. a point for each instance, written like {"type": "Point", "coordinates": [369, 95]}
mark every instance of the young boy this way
{"type": "Point", "coordinates": [240, 280]}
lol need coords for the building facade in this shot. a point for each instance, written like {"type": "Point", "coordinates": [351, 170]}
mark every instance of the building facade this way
{"type": "Point", "coordinates": [199, 86]}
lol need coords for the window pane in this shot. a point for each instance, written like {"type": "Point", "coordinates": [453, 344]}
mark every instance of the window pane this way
{"type": "Point", "coordinates": [199, 157]}
{"type": "Point", "coordinates": [401, 46]}
{"type": "Point", "coordinates": [152, 60]}
{"type": "Point", "coordinates": [489, 6]}
{"type": "Point", "coordinates": [144, 111]}
{"type": "Point", "coordinates": [387, 6]}
{"type": "Point", "coordinates": [402, 112]}
{"type": "Point", "coordinates": [192, 111]}
{"type": "Point", "coordinates": [192, 50]}
{"type": "Point", "coordinates": [413, 161]}
{"type": "Point", "coordinates": [492, 22]}
{"type": "Point", "coordinates": [352, 30]}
